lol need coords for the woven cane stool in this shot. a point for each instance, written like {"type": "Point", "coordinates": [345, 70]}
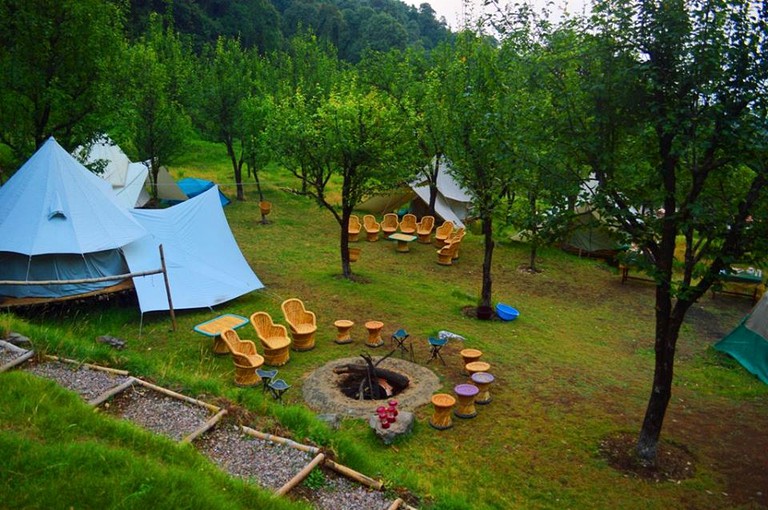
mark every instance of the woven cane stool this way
{"type": "Point", "coordinates": [466, 394]}
{"type": "Point", "coordinates": [477, 366]}
{"type": "Point", "coordinates": [470, 355]}
{"type": "Point", "coordinates": [443, 404]}
{"type": "Point", "coordinates": [374, 333]}
{"type": "Point", "coordinates": [343, 325]}
{"type": "Point", "coordinates": [483, 382]}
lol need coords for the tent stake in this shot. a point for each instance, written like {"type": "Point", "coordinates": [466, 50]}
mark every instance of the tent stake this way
{"type": "Point", "coordinates": [167, 288]}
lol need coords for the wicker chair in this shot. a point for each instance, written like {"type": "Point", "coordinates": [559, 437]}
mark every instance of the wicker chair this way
{"type": "Point", "coordinates": [408, 224]}
{"type": "Point", "coordinates": [245, 358]}
{"type": "Point", "coordinates": [302, 323]}
{"type": "Point", "coordinates": [445, 255]}
{"type": "Point", "coordinates": [443, 232]}
{"type": "Point", "coordinates": [424, 229]}
{"type": "Point", "coordinates": [353, 231]}
{"type": "Point", "coordinates": [274, 338]}
{"type": "Point", "coordinates": [372, 227]}
{"type": "Point", "coordinates": [456, 238]}
{"type": "Point", "coordinates": [389, 224]}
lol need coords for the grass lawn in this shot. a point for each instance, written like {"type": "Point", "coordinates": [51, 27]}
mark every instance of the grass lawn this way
{"type": "Point", "coordinates": [574, 368]}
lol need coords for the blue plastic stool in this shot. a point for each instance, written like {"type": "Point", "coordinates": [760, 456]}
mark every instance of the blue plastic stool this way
{"type": "Point", "coordinates": [435, 345]}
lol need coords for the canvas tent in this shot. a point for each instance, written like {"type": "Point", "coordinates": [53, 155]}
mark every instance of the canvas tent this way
{"type": "Point", "coordinates": [452, 202]}
{"type": "Point", "coordinates": [205, 265]}
{"type": "Point", "coordinates": [748, 342]}
{"type": "Point", "coordinates": [130, 181]}
{"type": "Point", "coordinates": [59, 221]}
{"type": "Point", "coordinates": [193, 187]}
{"type": "Point", "coordinates": [588, 235]}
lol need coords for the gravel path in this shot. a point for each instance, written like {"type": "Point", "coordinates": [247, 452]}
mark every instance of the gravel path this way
{"type": "Point", "coordinates": [7, 355]}
{"type": "Point", "coordinates": [158, 412]}
{"type": "Point", "coordinates": [266, 463]}
{"type": "Point", "coordinates": [88, 382]}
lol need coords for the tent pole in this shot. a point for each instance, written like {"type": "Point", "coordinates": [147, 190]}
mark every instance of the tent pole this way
{"type": "Point", "coordinates": [167, 288]}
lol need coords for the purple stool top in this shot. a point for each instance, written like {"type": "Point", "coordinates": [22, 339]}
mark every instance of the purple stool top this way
{"type": "Point", "coordinates": [482, 377]}
{"type": "Point", "coordinates": [466, 390]}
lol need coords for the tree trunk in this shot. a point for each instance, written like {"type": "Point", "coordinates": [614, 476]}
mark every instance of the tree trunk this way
{"type": "Point", "coordinates": [485, 295]}
{"type": "Point", "coordinates": [237, 166]}
{"type": "Point", "coordinates": [346, 267]}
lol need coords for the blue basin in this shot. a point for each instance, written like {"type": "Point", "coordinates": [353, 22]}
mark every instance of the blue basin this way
{"type": "Point", "coordinates": [506, 312]}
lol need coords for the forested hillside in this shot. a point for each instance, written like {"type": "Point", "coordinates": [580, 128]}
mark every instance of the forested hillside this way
{"type": "Point", "coordinates": [350, 25]}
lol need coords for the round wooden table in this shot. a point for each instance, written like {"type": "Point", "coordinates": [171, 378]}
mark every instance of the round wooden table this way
{"type": "Point", "coordinates": [470, 355]}
{"type": "Point", "coordinates": [374, 333]}
{"type": "Point", "coordinates": [483, 381]}
{"type": "Point", "coordinates": [343, 325]}
{"type": "Point", "coordinates": [477, 366]}
{"type": "Point", "coordinates": [466, 394]}
{"type": "Point", "coordinates": [443, 404]}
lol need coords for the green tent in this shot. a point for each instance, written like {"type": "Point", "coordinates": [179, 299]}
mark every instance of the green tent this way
{"type": "Point", "coordinates": [748, 343]}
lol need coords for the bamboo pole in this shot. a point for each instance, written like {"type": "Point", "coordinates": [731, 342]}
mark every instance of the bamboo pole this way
{"type": "Point", "coordinates": [173, 394]}
{"type": "Point", "coordinates": [301, 475]}
{"type": "Point", "coordinates": [354, 475]}
{"type": "Point", "coordinates": [396, 504]}
{"type": "Point", "coordinates": [114, 371]}
{"type": "Point", "coordinates": [17, 361]}
{"type": "Point", "coordinates": [82, 280]}
{"type": "Point", "coordinates": [207, 425]}
{"type": "Point", "coordinates": [167, 288]}
{"type": "Point", "coordinates": [281, 440]}
{"type": "Point", "coordinates": [111, 392]}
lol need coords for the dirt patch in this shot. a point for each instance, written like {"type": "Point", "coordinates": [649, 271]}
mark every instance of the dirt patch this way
{"type": "Point", "coordinates": [674, 462]}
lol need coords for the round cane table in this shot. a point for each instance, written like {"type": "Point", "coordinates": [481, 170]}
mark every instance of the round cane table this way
{"type": "Point", "coordinates": [483, 381]}
{"type": "Point", "coordinates": [470, 355]}
{"type": "Point", "coordinates": [466, 394]}
{"type": "Point", "coordinates": [443, 404]}
{"type": "Point", "coordinates": [374, 333]}
{"type": "Point", "coordinates": [343, 326]}
{"type": "Point", "coordinates": [477, 366]}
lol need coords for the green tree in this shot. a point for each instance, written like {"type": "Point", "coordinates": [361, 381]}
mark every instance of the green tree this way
{"type": "Point", "coordinates": [701, 69]}
{"type": "Point", "coordinates": [227, 78]}
{"type": "Point", "coordinates": [156, 117]}
{"type": "Point", "coordinates": [482, 159]}
{"type": "Point", "coordinates": [416, 85]}
{"type": "Point", "coordinates": [58, 61]}
{"type": "Point", "coordinates": [357, 135]}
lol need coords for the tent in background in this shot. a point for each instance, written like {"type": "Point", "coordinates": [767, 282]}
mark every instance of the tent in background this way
{"type": "Point", "coordinates": [127, 178]}
{"type": "Point", "coordinates": [588, 235]}
{"type": "Point", "coordinates": [60, 221]}
{"type": "Point", "coordinates": [205, 265]}
{"type": "Point", "coordinates": [192, 187]}
{"type": "Point", "coordinates": [748, 343]}
{"type": "Point", "coordinates": [452, 201]}
{"type": "Point", "coordinates": [130, 181]}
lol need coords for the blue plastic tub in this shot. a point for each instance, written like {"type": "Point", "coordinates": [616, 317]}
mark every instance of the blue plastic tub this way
{"type": "Point", "coordinates": [506, 312]}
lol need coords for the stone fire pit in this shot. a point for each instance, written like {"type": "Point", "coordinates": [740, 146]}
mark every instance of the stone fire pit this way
{"type": "Point", "coordinates": [322, 392]}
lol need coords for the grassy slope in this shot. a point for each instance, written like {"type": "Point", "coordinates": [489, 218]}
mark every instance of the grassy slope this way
{"type": "Point", "coordinates": [575, 366]}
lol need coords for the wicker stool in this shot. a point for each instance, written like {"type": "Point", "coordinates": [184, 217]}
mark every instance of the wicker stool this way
{"type": "Point", "coordinates": [343, 326]}
{"type": "Point", "coordinates": [483, 381]}
{"type": "Point", "coordinates": [470, 355]}
{"type": "Point", "coordinates": [477, 366]}
{"type": "Point", "coordinates": [374, 333]}
{"type": "Point", "coordinates": [443, 404]}
{"type": "Point", "coordinates": [466, 394]}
